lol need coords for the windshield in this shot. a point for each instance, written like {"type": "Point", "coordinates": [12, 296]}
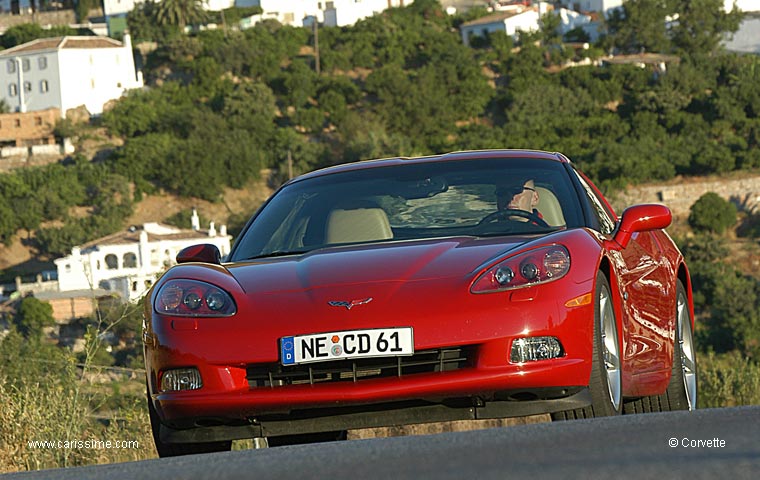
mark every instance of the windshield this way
{"type": "Point", "coordinates": [484, 197]}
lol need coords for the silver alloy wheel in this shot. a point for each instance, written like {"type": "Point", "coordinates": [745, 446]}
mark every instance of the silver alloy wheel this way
{"type": "Point", "coordinates": [686, 343]}
{"type": "Point", "coordinates": [611, 350]}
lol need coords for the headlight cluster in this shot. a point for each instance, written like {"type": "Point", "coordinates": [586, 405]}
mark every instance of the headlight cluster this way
{"type": "Point", "coordinates": [534, 267]}
{"type": "Point", "coordinates": [192, 298]}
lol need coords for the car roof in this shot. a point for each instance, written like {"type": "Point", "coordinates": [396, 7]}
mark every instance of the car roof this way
{"type": "Point", "coordinates": [462, 155]}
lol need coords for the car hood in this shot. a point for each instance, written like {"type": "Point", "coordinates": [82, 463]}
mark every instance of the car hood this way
{"type": "Point", "coordinates": [405, 261]}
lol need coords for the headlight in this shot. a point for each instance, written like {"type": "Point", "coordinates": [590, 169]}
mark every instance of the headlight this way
{"type": "Point", "coordinates": [191, 298]}
{"type": "Point", "coordinates": [534, 267]}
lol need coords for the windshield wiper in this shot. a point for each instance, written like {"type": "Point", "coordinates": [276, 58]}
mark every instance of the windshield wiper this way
{"type": "Point", "coordinates": [279, 253]}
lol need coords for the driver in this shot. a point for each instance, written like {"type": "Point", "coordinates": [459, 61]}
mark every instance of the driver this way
{"type": "Point", "coordinates": [521, 195]}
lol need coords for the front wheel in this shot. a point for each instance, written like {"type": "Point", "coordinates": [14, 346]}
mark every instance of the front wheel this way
{"type": "Point", "coordinates": [606, 381]}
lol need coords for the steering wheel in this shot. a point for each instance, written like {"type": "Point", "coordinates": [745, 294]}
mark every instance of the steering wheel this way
{"type": "Point", "coordinates": [511, 212]}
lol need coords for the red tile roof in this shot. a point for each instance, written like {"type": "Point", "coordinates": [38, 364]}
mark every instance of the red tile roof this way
{"type": "Point", "coordinates": [59, 43]}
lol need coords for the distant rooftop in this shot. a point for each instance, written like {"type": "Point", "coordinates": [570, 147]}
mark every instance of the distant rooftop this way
{"type": "Point", "coordinates": [60, 43]}
{"type": "Point", "coordinates": [493, 18]}
{"type": "Point", "coordinates": [155, 232]}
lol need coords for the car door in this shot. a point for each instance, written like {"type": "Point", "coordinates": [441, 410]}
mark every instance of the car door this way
{"type": "Point", "coordinates": [642, 280]}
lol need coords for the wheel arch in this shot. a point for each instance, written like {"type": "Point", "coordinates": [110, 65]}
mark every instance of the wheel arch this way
{"type": "Point", "coordinates": [607, 268]}
{"type": "Point", "coordinates": [685, 278]}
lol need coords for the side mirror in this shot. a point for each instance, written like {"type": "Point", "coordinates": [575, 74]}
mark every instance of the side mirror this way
{"type": "Point", "coordinates": [205, 253]}
{"type": "Point", "coordinates": [641, 218]}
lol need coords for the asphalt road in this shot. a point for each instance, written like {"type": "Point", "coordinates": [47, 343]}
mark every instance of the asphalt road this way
{"type": "Point", "coordinates": [712, 443]}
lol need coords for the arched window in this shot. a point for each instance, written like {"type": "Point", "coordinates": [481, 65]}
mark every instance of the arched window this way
{"type": "Point", "coordinates": [112, 261]}
{"type": "Point", "coordinates": [129, 260]}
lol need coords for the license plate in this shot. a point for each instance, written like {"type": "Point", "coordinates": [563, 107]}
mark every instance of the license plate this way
{"type": "Point", "coordinates": [323, 347]}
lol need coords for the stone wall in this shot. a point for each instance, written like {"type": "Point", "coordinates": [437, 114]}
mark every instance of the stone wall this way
{"type": "Point", "coordinates": [46, 19]}
{"type": "Point", "coordinates": [679, 196]}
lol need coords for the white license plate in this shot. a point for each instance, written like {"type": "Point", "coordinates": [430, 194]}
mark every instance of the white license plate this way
{"type": "Point", "coordinates": [323, 347]}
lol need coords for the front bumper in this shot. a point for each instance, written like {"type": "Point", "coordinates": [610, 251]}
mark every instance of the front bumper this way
{"type": "Point", "coordinates": [547, 400]}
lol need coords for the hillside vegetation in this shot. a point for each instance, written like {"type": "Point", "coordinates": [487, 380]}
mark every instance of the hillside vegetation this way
{"type": "Point", "coordinates": [223, 105]}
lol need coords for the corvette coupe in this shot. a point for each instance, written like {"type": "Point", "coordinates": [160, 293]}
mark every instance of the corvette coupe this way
{"type": "Point", "coordinates": [470, 285]}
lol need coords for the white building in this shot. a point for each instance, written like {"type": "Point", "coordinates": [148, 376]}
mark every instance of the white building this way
{"type": "Point", "coordinates": [744, 5]}
{"type": "Point", "coordinates": [509, 22]}
{"type": "Point", "coordinates": [119, 7]}
{"type": "Point", "coordinates": [67, 72]}
{"type": "Point", "coordinates": [601, 6]}
{"type": "Point", "coordinates": [122, 7]}
{"type": "Point", "coordinates": [129, 262]}
{"type": "Point", "coordinates": [336, 13]}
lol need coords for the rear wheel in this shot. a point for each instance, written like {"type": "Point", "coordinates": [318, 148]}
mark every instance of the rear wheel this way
{"type": "Point", "coordinates": [605, 384]}
{"type": "Point", "coordinates": [682, 390]}
{"type": "Point", "coordinates": [177, 449]}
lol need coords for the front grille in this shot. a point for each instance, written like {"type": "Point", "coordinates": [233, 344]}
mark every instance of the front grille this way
{"type": "Point", "coordinates": [356, 370]}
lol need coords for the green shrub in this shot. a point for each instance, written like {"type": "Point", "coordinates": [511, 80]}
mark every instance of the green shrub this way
{"type": "Point", "coordinates": [728, 380]}
{"type": "Point", "coordinates": [712, 214]}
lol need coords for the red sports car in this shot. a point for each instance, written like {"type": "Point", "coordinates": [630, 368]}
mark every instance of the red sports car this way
{"type": "Point", "coordinates": [481, 284]}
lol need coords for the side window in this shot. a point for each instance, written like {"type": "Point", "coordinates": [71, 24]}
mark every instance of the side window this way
{"type": "Point", "coordinates": [606, 221]}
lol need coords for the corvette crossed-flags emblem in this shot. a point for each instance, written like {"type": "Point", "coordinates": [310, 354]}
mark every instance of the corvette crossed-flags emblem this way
{"type": "Point", "coordinates": [349, 305]}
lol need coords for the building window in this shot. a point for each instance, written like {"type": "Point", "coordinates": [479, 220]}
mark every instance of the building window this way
{"type": "Point", "coordinates": [42, 63]}
{"type": "Point", "coordinates": [44, 87]}
{"type": "Point", "coordinates": [17, 122]}
{"type": "Point", "coordinates": [67, 268]}
{"type": "Point", "coordinates": [97, 265]}
{"type": "Point", "coordinates": [130, 260]}
{"type": "Point", "coordinates": [11, 66]}
{"type": "Point", "coordinates": [134, 286]}
{"type": "Point", "coordinates": [12, 90]}
{"type": "Point", "coordinates": [112, 262]}
{"type": "Point", "coordinates": [27, 87]}
{"type": "Point", "coordinates": [26, 64]}
{"type": "Point", "coordinates": [38, 121]}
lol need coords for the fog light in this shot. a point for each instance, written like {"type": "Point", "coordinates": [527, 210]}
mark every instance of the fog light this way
{"type": "Point", "coordinates": [530, 349]}
{"type": "Point", "coordinates": [181, 379]}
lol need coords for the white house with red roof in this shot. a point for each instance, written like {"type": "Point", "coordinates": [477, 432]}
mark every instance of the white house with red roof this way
{"type": "Point", "coordinates": [66, 73]}
{"type": "Point", "coordinates": [510, 22]}
{"type": "Point", "coordinates": [128, 262]}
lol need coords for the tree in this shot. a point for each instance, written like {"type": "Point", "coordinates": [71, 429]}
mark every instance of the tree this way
{"type": "Point", "coordinates": [702, 25]}
{"type": "Point", "coordinates": [32, 315]}
{"type": "Point", "coordinates": [711, 213]}
{"type": "Point", "coordinates": [640, 25]}
{"type": "Point", "coordinates": [180, 12]}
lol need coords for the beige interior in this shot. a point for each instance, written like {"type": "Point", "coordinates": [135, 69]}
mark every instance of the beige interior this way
{"type": "Point", "coordinates": [549, 207]}
{"type": "Point", "coordinates": [358, 225]}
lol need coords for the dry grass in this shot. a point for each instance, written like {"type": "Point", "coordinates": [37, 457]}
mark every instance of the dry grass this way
{"type": "Point", "coordinates": [60, 412]}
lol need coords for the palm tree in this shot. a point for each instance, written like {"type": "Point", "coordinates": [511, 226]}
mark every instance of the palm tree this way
{"type": "Point", "coordinates": [180, 12]}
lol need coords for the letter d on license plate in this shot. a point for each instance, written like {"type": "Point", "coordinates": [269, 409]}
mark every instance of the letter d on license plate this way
{"type": "Point", "coordinates": [323, 347]}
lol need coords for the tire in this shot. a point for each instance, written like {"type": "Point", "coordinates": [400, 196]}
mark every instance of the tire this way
{"type": "Point", "coordinates": [177, 449]}
{"type": "Point", "coordinates": [682, 389]}
{"type": "Point", "coordinates": [605, 383]}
